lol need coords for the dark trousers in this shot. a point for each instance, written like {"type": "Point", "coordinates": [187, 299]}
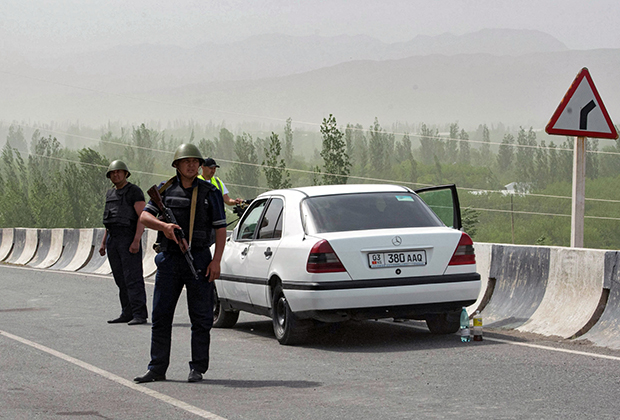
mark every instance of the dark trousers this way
{"type": "Point", "coordinates": [172, 274]}
{"type": "Point", "coordinates": [128, 275]}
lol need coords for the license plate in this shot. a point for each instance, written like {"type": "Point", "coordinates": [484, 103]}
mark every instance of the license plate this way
{"type": "Point", "coordinates": [396, 259]}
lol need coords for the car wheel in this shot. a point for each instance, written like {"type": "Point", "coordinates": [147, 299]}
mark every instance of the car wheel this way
{"type": "Point", "coordinates": [286, 326]}
{"type": "Point", "coordinates": [445, 323]}
{"type": "Point", "coordinates": [223, 318]}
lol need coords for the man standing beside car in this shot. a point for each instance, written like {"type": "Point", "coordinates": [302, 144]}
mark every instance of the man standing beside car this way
{"type": "Point", "coordinates": [197, 207]}
{"type": "Point", "coordinates": [208, 174]}
{"type": "Point", "coordinates": [123, 240]}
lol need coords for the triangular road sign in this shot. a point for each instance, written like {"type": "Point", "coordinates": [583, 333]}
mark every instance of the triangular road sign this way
{"type": "Point", "coordinates": [582, 113]}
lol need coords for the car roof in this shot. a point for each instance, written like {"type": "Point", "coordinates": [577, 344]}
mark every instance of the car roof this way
{"type": "Point", "coordinates": [321, 190]}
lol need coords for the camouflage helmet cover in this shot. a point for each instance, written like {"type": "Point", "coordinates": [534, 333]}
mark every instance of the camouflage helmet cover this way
{"type": "Point", "coordinates": [117, 165]}
{"type": "Point", "coordinates": [187, 150]}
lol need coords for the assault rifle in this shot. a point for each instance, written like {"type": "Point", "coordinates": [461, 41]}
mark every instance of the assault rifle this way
{"type": "Point", "coordinates": [168, 216]}
{"type": "Point", "coordinates": [239, 209]}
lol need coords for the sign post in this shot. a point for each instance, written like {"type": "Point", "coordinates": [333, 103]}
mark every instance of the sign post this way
{"type": "Point", "coordinates": [581, 114]}
{"type": "Point", "coordinates": [578, 208]}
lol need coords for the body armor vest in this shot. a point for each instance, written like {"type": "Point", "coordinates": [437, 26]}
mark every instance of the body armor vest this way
{"type": "Point", "coordinates": [118, 212]}
{"type": "Point", "coordinates": [178, 199]}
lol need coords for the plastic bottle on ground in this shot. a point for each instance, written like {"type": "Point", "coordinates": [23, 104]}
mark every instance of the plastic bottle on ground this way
{"type": "Point", "coordinates": [477, 326]}
{"type": "Point", "coordinates": [465, 337]}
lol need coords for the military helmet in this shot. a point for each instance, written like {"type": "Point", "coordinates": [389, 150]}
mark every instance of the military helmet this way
{"type": "Point", "coordinates": [117, 165]}
{"type": "Point", "coordinates": [187, 150]}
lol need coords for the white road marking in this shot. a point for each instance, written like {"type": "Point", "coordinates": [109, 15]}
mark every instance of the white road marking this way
{"type": "Point", "coordinates": [516, 343]}
{"type": "Point", "coordinates": [536, 346]}
{"type": "Point", "coordinates": [129, 384]}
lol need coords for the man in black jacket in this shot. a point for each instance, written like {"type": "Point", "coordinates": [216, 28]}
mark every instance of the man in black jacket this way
{"type": "Point", "coordinates": [197, 207]}
{"type": "Point", "coordinates": [122, 238]}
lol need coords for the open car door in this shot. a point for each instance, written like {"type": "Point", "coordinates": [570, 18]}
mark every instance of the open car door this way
{"type": "Point", "coordinates": [444, 201]}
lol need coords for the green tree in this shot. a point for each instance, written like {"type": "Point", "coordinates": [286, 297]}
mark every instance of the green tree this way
{"type": "Point", "coordinates": [245, 171]}
{"type": "Point", "coordinates": [485, 148]}
{"type": "Point", "coordinates": [553, 163]}
{"type": "Point", "coordinates": [335, 159]}
{"type": "Point", "coordinates": [541, 166]}
{"type": "Point", "coordinates": [16, 139]}
{"type": "Point", "coordinates": [206, 147]}
{"type": "Point", "coordinates": [505, 154]}
{"type": "Point", "coordinates": [288, 142]}
{"type": "Point", "coordinates": [377, 145]}
{"type": "Point", "coordinates": [566, 157]}
{"type": "Point", "coordinates": [275, 171]}
{"type": "Point", "coordinates": [85, 185]}
{"type": "Point", "coordinates": [404, 155]}
{"type": "Point", "coordinates": [592, 159]}
{"type": "Point", "coordinates": [470, 219]}
{"type": "Point", "coordinates": [93, 169]}
{"type": "Point", "coordinates": [15, 204]}
{"type": "Point", "coordinates": [348, 140]}
{"type": "Point", "coordinates": [430, 144]}
{"type": "Point", "coordinates": [451, 144]}
{"type": "Point", "coordinates": [525, 156]}
{"type": "Point", "coordinates": [359, 148]}
{"type": "Point", "coordinates": [140, 156]}
{"type": "Point", "coordinates": [316, 175]}
{"type": "Point", "coordinates": [225, 145]}
{"type": "Point", "coordinates": [464, 150]}
{"type": "Point", "coordinates": [44, 167]}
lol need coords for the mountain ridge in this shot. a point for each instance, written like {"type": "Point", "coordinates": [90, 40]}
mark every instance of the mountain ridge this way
{"type": "Point", "coordinates": [471, 88]}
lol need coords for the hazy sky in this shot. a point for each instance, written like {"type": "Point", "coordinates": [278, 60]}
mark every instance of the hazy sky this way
{"type": "Point", "coordinates": [31, 26]}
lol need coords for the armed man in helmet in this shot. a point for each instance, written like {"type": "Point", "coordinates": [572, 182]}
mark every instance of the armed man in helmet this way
{"type": "Point", "coordinates": [123, 205]}
{"type": "Point", "coordinates": [197, 207]}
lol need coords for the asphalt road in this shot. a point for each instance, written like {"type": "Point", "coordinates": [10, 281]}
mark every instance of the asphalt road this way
{"type": "Point", "coordinates": [59, 359]}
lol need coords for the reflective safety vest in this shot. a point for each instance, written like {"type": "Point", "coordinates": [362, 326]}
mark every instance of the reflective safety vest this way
{"type": "Point", "coordinates": [215, 181]}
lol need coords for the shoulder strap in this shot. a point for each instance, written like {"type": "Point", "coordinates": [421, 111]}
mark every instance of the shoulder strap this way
{"type": "Point", "coordinates": [192, 214]}
{"type": "Point", "coordinates": [166, 185]}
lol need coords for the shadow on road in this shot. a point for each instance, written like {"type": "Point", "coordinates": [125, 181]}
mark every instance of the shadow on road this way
{"type": "Point", "coordinates": [364, 336]}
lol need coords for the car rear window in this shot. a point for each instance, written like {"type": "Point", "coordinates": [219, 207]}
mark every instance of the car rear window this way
{"type": "Point", "coordinates": [338, 213]}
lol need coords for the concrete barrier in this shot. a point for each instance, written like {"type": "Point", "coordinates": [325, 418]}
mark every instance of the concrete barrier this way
{"type": "Point", "coordinates": [553, 291]}
{"type": "Point", "coordinates": [572, 294]}
{"type": "Point", "coordinates": [25, 245]}
{"type": "Point", "coordinates": [606, 331]}
{"type": "Point", "coordinates": [520, 274]}
{"type": "Point", "coordinates": [97, 264]}
{"type": "Point", "coordinates": [77, 250]}
{"type": "Point", "coordinates": [483, 266]}
{"type": "Point", "coordinates": [6, 244]}
{"type": "Point", "coordinates": [148, 258]}
{"type": "Point", "coordinates": [49, 249]}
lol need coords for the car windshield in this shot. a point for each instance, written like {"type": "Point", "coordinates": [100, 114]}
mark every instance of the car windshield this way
{"type": "Point", "coordinates": [381, 210]}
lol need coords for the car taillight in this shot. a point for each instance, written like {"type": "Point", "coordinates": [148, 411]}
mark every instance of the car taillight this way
{"type": "Point", "coordinates": [464, 253]}
{"type": "Point", "coordinates": [323, 259]}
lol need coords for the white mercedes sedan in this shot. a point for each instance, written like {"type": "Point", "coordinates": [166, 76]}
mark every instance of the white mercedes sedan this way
{"type": "Point", "coordinates": [311, 255]}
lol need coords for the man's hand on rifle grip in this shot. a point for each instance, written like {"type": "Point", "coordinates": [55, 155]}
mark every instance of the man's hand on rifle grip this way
{"type": "Point", "coordinates": [169, 232]}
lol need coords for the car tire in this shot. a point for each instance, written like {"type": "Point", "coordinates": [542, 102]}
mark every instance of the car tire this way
{"type": "Point", "coordinates": [445, 323]}
{"type": "Point", "coordinates": [287, 328]}
{"type": "Point", "coordinates": [223, 318]}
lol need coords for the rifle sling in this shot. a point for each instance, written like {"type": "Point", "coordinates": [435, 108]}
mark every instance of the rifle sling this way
{"type": "Point", "coordinates": [192, 214]}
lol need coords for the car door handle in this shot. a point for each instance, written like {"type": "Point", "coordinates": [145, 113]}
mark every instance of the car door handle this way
{"type": "Point", "coordinates": [268, 253]}
{"type": "Point", "coordinates": [245, 251]}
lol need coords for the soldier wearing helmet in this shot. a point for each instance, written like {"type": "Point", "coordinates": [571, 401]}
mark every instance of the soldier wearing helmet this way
{"type": "Point", "coordinates": [122, 240]}
{"type": "Point", "coordinates": [197, 207]}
